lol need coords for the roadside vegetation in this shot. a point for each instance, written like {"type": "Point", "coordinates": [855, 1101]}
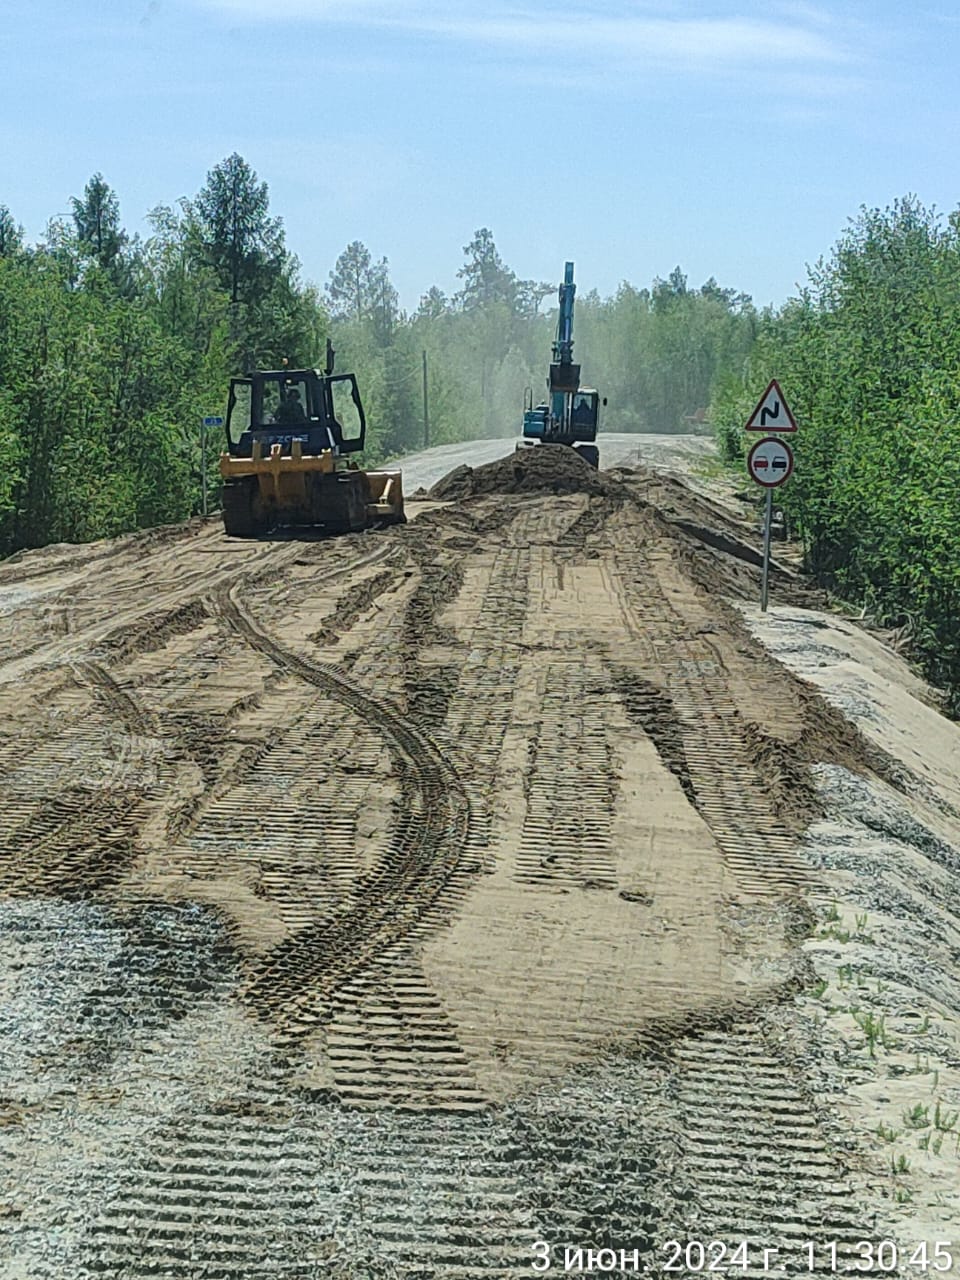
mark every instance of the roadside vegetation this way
{"type": "Point", "coordinates": [868, 357]}
{"type": "Point", "coordinates": [113, 347]}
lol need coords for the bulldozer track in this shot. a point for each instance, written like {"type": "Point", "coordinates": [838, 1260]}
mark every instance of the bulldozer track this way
{"type": "Point", "coordinates": [725, 785]}
{"type": "Point", "coordinates": [426, 852]}
{"type": "Point", "coordinates": [781, 1184]}
{"type": "Point", "coordinates": [116, 700]}
{"type": "Point", "coordinates": [75, 798]}
{"type": "Point", "coordinates": [391, 1043]}
{"type": "Point", "coordinates": [571, 784]}
{"type": "Point", "coordinates": [226, 1196]}
{"type": "Point", "coordinates": [480, 706]}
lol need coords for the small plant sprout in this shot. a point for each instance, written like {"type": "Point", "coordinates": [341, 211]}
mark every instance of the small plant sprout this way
{"type": "Point", "coordinates": [902, 1195]}
{"type": "Point", "coordinates": [874, 1029]}
{"type": "Point", "coordinates": [819, 988]}
{"type": "Point", "coordinates": [918, 1117]}
{"type": "Point", "coordinates": [833, 913]}
{"type": "Point", "coordinates": [861, 922]}
{"type": "Point", "coordinates": [945, 1121]}
{"type": "Point", "coordinates": [900, 1164]}
{"type": "Point", "coordinates": [887, 1134]}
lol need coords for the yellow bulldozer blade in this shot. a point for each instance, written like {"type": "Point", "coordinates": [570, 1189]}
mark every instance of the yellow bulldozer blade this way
{"type": "Point", "coordinates": [385, 495]}
{"type": "Point", "coordinates": [305, 489]}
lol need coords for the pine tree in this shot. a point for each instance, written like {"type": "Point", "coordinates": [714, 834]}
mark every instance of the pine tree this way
{"type": "Point", "coordinates": [97, 221]}
{"type": "Point", "coordinates": [349, 289]}
{"type": "Point", "coordinates": [240, 239]}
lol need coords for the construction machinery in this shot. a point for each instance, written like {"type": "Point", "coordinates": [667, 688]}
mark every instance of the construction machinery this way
{"type": "Point", "coordinates": [571, 414]}
{"type": "Point", "coordinates": [290, 434]}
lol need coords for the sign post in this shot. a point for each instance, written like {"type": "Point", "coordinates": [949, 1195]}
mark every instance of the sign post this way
{"type": "Point", "coordinates": [765, 576]}
{"type": "Point", "coordinates": [770, 462]}
{"type": "Point", "coordinates": [207, 422]}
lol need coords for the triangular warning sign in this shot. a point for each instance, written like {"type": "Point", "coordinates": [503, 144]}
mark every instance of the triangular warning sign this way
{"type": "Point", "coordinates": [772, 413]}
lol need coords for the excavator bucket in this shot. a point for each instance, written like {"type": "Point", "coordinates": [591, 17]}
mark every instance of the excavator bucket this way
{"type": "Point", "coordinates": [385, 496]}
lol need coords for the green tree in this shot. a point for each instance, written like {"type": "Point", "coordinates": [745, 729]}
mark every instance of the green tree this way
{"type": "Point", "coordinates": [97, 221]}
{"type": "Point", "coordinates": [242, 242]}
{"type": "Point", "coordinates": [433, 304]}
{"type": "Point", "coordinates": [11, 235]}
{"type": "Point", "coordinates": [349, 289]}
{"type": "Point", "coordinates": [486, 279]}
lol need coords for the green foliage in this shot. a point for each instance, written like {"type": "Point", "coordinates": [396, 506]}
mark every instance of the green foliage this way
{"type": "Point", "coordinates": [658, 354]}
{"type": "Point", "coordinates": [97, 221]}
{"type": "Point", "coordinates": [241, 241]}
{"type": "Point", "coordinates": [111, 352]}
{"type": "Point", "coordinates": [869, 357]}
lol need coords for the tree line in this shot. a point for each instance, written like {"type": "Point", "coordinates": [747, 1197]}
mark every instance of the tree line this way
{"type": "Point", "coordinates": [868, 356]}
{"type": "Point", "coordinates": [112, 347]}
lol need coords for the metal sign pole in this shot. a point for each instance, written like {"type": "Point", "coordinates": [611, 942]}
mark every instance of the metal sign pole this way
{"type": "Point", "coordinates": [205, 424]}
{"type": "Point", "coordinates": [203, 464]}
{"type": "Point", "coordinates": [768, 521]}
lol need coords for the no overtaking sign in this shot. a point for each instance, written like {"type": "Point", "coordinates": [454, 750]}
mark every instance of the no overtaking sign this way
{"type": "Point", "coordinates": [770, 462]}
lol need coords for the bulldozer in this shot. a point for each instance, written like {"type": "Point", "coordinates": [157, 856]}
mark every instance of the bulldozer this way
{"type": "Point", "coordinates": [290, 437]}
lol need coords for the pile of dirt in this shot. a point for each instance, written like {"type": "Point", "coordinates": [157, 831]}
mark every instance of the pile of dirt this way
{"type": "Point", "coordinates": [551, 468]}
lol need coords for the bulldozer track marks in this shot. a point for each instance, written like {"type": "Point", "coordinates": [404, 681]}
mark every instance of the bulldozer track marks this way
{"type": "Point", "coordinates": [116, 700]}
{"type": "Point", "coordinates": [322, 1042]}
{"type": "Point", "coordinates": [480, 706]}
{"type": "Point", "coordinates": [75, 799]}
{"type": "Point", "coordinates": [571, 785]}
{"type": "Point", "coordinates": [390, 1042]}
{"type": "Point", "coordinates": [717, 771]}
{"type": "Point", "coordinates": [779, 1182]}
{"type": "Point", "coordinates": [227, 1196]}
{"type": "Point", "coordinates": [286, 816]}
{"type": "Point", "coordinates": [425, 855]}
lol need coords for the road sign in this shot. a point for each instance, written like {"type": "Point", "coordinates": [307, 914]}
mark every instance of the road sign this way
{"type": "Point", "coordinates": [772, 412]}
{"type": "Point", "coordinates": [212, 421]}
{"type": "Point", "coordinates": [770, 462]}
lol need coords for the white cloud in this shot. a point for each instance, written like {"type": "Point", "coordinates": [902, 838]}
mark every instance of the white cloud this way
{"type": "Point", "coordinates": [798, 36]}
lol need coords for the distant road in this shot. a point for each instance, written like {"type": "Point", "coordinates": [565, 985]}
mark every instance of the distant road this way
{"type": "Point", "coordinates": [616, 449]}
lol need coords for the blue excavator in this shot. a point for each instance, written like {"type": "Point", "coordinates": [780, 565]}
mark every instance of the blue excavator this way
{"type": "Point", "coordinates": [571, 415]}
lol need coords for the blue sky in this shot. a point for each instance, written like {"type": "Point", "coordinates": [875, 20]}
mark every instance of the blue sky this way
{"type": "Point", "coordinates": [733, 138]}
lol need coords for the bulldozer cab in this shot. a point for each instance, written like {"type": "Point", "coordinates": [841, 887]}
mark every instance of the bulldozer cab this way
{"type": "Point", "coordinates": [280, 406]}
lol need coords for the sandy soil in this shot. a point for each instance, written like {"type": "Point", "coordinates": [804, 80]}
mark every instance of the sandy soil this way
{"type": "Point", "coordinates": [381, 906]}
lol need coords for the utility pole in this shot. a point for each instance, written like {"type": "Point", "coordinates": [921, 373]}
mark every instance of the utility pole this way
{"type": "Point", "coordinates": [426, 407]}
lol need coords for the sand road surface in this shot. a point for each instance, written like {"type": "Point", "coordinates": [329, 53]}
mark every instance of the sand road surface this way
{"type": "Point", "coordinates": [403, 904]}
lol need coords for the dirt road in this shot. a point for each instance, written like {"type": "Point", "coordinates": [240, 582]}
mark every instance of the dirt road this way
{"type": "Point", "coordinates": [383, 906]}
